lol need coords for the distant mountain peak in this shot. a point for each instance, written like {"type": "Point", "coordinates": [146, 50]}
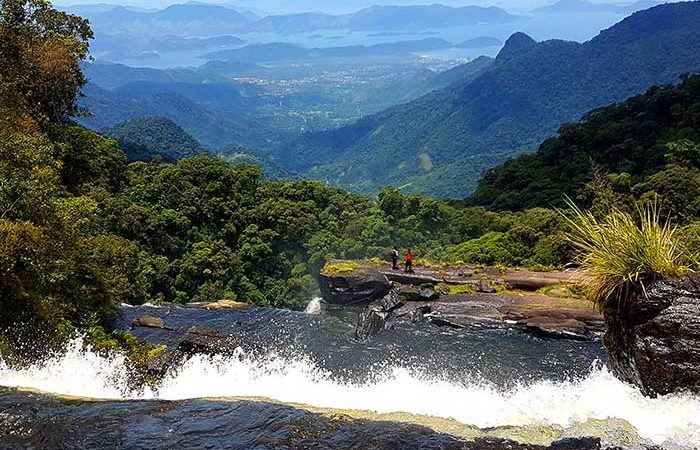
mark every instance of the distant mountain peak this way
{"type": "Point", "coordinates": [518, 44]}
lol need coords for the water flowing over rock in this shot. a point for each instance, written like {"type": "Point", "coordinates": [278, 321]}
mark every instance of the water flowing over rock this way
{"type": "Point", "coordinates": [653, 337]}
{"type": "Point", "coordinates": [375, 317]}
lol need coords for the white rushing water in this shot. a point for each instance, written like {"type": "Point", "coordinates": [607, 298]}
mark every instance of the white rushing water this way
{"type": "Point", "coordinates": [672, 420]}
{"type": "Point", "coordinates": [314, 306]}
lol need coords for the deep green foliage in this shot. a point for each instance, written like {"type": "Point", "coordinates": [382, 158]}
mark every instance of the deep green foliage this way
{"type": "Point", "coordinates": [147, 138]}
{"type": "Point", "coordinates": [625, 143]}
{"type": "Point", "coordinates": [40, 50]}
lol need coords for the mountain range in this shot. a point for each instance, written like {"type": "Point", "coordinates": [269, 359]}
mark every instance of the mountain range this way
{"type": "Point", "coordinates": [200, 19]}
{"type": "Point", "coordinates": [439, 144]}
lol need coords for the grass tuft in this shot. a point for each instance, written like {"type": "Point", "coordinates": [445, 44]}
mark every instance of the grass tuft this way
{"type": "Point", "coordinates": [620, 254]}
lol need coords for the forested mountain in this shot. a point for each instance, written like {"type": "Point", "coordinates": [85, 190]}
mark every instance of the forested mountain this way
{"type": "Point", "coordinates": [460, 74]}
{"type": "Point", "coordinates": [626, 144]}
{"type": "Point", "coordinates": [110, 75]}
{"type": "Point", "coordinates": [440, 143]}
{"type": "Point", "coordinates": [144, 139]}
{"type": "Point", "coordinates": [181, 20]}
{"type": "Point", "coordinates": [210, 127]}
{"type": "Point", "coordinates": [425, 16]}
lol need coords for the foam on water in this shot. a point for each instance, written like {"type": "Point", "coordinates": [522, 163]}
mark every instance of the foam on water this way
{"type": "Point", "coordinates": [669, 419]}
{"type": "Point", "coordinates": [314, 306]}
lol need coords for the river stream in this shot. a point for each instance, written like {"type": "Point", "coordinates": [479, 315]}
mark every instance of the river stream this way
{"type": "Point", "coordinates": [309, 384]}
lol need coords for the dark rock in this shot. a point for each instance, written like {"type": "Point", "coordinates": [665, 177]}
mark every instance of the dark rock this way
{"type": "Point", "coordinates": [424, 292]}
{"type": "Point", "coordinates": [441, 321]}
{"type": "Point", "coordinates": [485, 287]}
{"type": "Point", "coordinates": [208, 341]}
{"type": "Point", "coordinates": [582, 443]}
{"type": "Point", "coordinates": [653, 336]}
{"type": "Point", "coordinates": [375, 317]}
{"type": "Point", "coordinates": [371, 321]}
{"type": "Point", "coordinates": [391, 301]}
{"type": "Point", "coordinates": [149, 322]}
{"type": "Point", "coordinates": [557, 328]}
{"type": "Point", "coordinates": [162, 363]}
{"type": "Point", "coordinates": [364, 284]}
{"type": "Point", "coordinates": [412, 279]}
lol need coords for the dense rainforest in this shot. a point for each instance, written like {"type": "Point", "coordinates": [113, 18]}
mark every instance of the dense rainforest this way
{"type": "Point", "coordinates": [640, 148]}
{"type": "Point", "coordinates": [146, 138]}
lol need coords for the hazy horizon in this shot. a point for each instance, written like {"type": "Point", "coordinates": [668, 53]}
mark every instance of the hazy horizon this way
{"type": "Point", "coordinates": [330, 6]}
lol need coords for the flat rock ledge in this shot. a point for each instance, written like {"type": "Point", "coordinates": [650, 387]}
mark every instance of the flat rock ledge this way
{"type": "Point", "coordinates": [461, 297]}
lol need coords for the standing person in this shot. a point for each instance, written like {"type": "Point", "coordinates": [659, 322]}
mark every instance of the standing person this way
{"type": "Point", "coordinates": [395, 258]}
{"type": "Point", "coordinates": [409, 261]}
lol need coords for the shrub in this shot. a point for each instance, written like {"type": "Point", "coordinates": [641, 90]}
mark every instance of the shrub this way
{"type": "Point", "coordinates": [334, 268]}
{"type": "Point", "coordinates": [620, 254]}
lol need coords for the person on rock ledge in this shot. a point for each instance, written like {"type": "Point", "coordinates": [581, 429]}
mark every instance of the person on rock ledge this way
{"type": "Point", "coordinates": [409, 261]}
{"type": "Point", "coordinates": [395, 258]}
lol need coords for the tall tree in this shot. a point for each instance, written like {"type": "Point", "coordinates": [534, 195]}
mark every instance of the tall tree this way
{"type": "Point", "coordinates": [40, 54]}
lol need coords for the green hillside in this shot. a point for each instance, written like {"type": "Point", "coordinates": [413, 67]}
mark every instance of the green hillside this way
{"type": "Point", "coordinates": [440, 143]}
{"type": "Point", "coordinates": [624, 145]}
{"type": "Point", "coordinates": [144, 139]}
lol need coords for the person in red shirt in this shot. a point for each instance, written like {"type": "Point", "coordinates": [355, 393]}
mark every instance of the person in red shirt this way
{"type": "Point", "coordinates": [409, 261]}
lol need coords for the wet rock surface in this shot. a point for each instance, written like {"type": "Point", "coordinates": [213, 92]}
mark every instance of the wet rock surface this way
{"type": "Point", "coordinates": [42, 422]}
{"type": "Point", "coordinates": [653, 337]}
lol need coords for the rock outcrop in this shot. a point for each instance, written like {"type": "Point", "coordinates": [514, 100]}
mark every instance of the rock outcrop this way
{"type": "Point", "coordinates": [653, 336]}
{"type": "Point", "coordinates": [466, 297]}
{"type": "Point", "coordinates": [354, 283]}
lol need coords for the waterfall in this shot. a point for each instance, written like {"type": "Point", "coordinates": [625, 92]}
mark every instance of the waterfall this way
{"type": "Point", "coordinates": [672, 419]}
{"type": "Point", "coordinates": [314, 306]}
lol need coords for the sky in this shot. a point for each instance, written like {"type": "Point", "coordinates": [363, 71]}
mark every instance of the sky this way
{"type": "Point", "coordinates": [331, 6]}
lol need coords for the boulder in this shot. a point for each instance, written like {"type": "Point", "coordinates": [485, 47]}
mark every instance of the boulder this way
{"type": "Point", "coordinates": [208, 341]}
{"type": "Point", "coordinates": [484, 286]}
{"type": "Point", "coordinates": [377, 315]}
{"type": "Point", "coordinates": [558, 328]}
{"type": "Point", "coordinates": [413, 279]}
{"type": "Point", "coordinates": [528, 280]}
{"type": "Point", "coordinates": [149, 322]}
{"type": "Point", "coordinates": [360, 285]}
{"type": "Point", "coordinates": [653, 336]}
{"type": "Point", "coordinates": [424, 292]}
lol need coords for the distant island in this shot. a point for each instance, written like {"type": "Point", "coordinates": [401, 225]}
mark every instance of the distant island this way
{"type": "Point", "coordinates": [480, 42]}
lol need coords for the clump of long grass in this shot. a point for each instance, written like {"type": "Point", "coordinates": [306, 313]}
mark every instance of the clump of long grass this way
{"type": "Point", "coordinates": [621, 253]}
